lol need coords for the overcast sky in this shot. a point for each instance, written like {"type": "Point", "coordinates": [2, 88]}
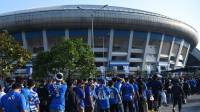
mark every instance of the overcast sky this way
{"type": "Point", "coordinates": [185, 10]}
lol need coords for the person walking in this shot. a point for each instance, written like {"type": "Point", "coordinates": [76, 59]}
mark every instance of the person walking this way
{"type": "Point", "coordinates": [57, 92]}
{"type": "Point", "coordinates": [156, 87]}
{"type": "Point", "coordinates": [43, 94]}
{"type": "Point", "coordinates": [127, 93]}
{"type": "Point", "coordinates": [89, 106]}
{"type": "Point", "coordinates": [33, 98]}
{"type": "Point", "coordinates": [177, 95]}
{"type": "Point", "coordinates": [70, 98]}
{"type": "Point", "coordinates": [80, 96]}
{"type": "Point", "coordinates": [13, 101]}
{"type": "Point", "coordinates": [102, 97]}
{"type": "Point", "coordinates": [115, 99]}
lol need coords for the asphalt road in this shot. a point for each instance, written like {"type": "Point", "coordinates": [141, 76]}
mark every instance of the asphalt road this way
{"type": "Point", "coordinates": [193, 105]}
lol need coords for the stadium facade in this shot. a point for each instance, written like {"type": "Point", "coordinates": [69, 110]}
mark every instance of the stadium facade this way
{"type": "Point", "coordinates": [119, 36]}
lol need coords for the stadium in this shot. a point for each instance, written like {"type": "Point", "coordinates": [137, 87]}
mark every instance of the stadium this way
{"type": "Point", "coordinates": [120, 38]}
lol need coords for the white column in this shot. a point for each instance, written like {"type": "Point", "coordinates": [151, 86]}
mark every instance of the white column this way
{"type": "Point", "coordinates": [66, 33]}
{"type": "Point", "coordinates": [111, 44]}
{"type": "Point", "coordinates": [145, 51]}
{"type": "Point", "coordinates": [179, 52]}
{"type": "Point", "coordinates": [89, 37]}
{"type": "Point", "coordinates": [130, 45]}
{"type": "Point", "coordinates": [24, 40]}
{"type": "Point", "coordinates": [160, 49]}
{"type": "Point", "coordinates": [45, 42]}
{"type": "Point", "coordinates": [171, 48]}
{"type": "Point", "coordinates": [186, 56]}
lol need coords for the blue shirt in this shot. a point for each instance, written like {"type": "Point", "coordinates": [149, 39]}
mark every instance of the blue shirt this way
{"type": "Point", "coordinates": [114, 96]}
{"type": "Point", "coordinates": [13, 102]}
{"type": "Point", "coordinates": [156, 86]}
{"type": "Point", "coordinates": [127, 92]}
{"type": "Point", "coordinates": [25, 92]}
{"type": "Point", "coordinates": [88, 94]}
{"type": "Point", "coordinates": [102, 95]}
{"type": "Point", "coordinates": [135, 87]}
{"type": "Point", "coordinates": [80, 96]}
{"type": "Point", "coordinates": [118, 85]}
{"type": "Point", "coordinates": [57, 92]}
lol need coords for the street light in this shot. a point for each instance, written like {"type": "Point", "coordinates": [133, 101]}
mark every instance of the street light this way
{"type": "Point", "coordinates": [92, 23]}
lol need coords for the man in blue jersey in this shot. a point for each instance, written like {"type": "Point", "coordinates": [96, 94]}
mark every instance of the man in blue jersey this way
{"type": "Point", "coordinates": [89, 107]}
{"type": "Point", "coordinates": [102, 96]}
{"type": "Point", "coordinates": [13, 101]}
{"type": "Point", "coordinates": [127, 92]}
{"type": "Point", "coordinates": [57, 92]}
{"type": "Point", "coordinates": [136, 90]}
{"type": "Point", "coordinates": [33, 98]}
{"type": "Point", "coordinates": [156, 86]}
{"type": "Point", "coordinates": [118, 83]}
{"type": "Point", "coordinates": [80, 96]}
{"type": "Point", "coordinates": [115, 98]}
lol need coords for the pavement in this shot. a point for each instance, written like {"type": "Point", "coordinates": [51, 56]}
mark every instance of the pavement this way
{"type": "Point", "coordinates": [192, 105]}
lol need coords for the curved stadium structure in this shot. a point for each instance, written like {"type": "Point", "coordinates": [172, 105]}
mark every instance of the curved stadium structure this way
{"type": "Point", "coordinates": [118, 36]}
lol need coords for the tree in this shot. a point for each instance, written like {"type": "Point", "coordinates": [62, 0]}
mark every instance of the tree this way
{"type": "Point", "coordinates": [70, 56]}
{"type": "Point", "coordinates": [41, 65]}
{"type": "Point", "coordinates": [12, 55]}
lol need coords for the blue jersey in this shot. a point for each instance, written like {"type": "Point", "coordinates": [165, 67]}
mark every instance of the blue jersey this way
{"type": "Point", "coordinates": [25, 92]}
{"type": "Point", "coordinates": [13, 102]}
{"type": "Point", "coordinates": [118, 85]}
{"type": "Point", "coordinates": [127, 92]}
{"type": "Point", "coordinates": [80, 96]}
{"type": "Point", "coordinates": [156, 86]}
{"type": "Point", "coordinates": [135, 87]}
{"type": "Point", "coordinates": [114, 93]}
{"type": "Point", "coordinates": [102, 95]}
{"type": "Point", "coordinates": [57, 92]}
{"type": "Point", "coordinates": [88, 95]}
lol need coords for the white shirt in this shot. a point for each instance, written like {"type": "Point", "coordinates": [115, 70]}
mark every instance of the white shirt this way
{"type": "Point", "coordinates": [2, 94]}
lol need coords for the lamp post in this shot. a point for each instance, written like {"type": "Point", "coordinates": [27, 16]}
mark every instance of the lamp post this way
{"type": "Point", "coordinates": [92, 23]}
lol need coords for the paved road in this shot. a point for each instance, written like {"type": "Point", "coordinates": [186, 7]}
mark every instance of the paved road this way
{"type": "Point", "coordinates": [193, 105]}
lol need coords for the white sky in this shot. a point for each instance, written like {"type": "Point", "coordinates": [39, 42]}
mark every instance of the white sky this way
{"type": "Point", "coordinates": [185, 10]}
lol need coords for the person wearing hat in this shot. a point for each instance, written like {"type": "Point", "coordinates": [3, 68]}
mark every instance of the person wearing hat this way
{"type": "Point", "coordinates": [13, 101]}
{"type": "Point", "coordinates": [57, 92]}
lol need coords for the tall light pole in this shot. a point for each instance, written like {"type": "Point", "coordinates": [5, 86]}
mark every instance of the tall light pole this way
{"type": "Point", "coordinates": [92, 23]}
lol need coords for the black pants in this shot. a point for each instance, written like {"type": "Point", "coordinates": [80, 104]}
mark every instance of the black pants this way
{"type": "Point", "coordinates": [104, 110]}
{"type": "Point", "coordinates": [129, 105]}
{"type": "Point", "coordinates": [178, 100]}
{"type": "Point", "coordinates": [114, 108]}
{"type": "Point", "coordinates": [88, 109]}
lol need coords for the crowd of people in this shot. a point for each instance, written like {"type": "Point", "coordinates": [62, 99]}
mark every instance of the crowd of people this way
{"type": "Point", "coordinates": [128, 94]}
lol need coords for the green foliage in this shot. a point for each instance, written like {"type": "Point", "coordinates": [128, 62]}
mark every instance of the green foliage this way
{"type": "Point", "coordinates": [70, 57]}
{"type": "Point", "coordinates": [12, 55]}
{"type": "Point", "coordinates": [42, 64]}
